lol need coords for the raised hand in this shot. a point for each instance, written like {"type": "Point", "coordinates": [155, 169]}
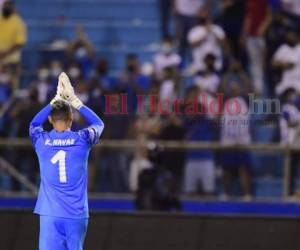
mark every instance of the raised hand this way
{"type": "Point", "coordinates": [68, 93]}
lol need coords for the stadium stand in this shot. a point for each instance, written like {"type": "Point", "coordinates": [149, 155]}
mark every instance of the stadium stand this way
{"type": "Point", "coordinates": [117, 28]}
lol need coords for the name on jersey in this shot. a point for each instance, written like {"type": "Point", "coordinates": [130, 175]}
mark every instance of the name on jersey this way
{"type": "Point", "coordinates": [60, 142]}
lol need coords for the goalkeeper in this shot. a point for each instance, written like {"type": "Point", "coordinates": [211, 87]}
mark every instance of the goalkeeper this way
{"type": "Point", "coordinates": [62, 202]}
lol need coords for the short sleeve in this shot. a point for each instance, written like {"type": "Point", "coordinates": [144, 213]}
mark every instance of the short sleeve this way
{"type": "Point", "coordinates": [35, 133]}
{"type": "Point", "coordinates": [278, 53]}
{"type": "Point", "coordinates": [282, 54]}
{"type": "Point", "coordinates": [91, 134]}
{"type": "Point", "coordinates": [196, 34]}
{"type": "Point", "coordinates": [219, 32]}
{"type": "Point", "coordinates": [21, 34]}
{"type": "Point", "coordinates": [176, 60]}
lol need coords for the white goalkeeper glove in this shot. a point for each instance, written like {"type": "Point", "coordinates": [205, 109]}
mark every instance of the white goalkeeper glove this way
{"type": "Point", "coordinates": [59, 93]}
{"type": "Point", "coordinates": [68, 93]}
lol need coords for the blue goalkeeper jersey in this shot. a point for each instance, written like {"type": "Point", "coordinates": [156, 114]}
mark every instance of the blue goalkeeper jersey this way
{"type": "Point", "coordinates": [63, 161]}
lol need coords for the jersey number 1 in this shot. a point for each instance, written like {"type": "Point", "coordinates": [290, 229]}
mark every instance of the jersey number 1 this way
{"type": "Point", "coordinates": [60, 157]}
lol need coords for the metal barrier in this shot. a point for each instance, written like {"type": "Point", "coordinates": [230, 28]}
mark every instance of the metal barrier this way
{"type": "Point", "coordinates": [286, 150]}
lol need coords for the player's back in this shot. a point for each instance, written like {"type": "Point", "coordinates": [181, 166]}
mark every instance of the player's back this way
{"type": "Point", "coordinates": [63, 158]}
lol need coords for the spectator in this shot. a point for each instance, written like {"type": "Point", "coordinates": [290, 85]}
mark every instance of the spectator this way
{"type": "Point", "coordinates": [56, 67]}
{"type": "Point", "coordinates": [156, 185]}
{"type": "Point", "coordinates": [199, 166]}
{"type": "Point", "coordinates": [235, 75]}
{"type": "Point", "coordinates": [133, 82]}
{"type": "Point", "coordinates": [166, 57]}
{"type": "Point", "coordinates": [96, 102]}
{"type": "Point", "coordinates": [82, 52]}
{"type": "Point", "coordinates": [235, 131]}
{"type": "Point", "coordinates": [172, 129]}
{"type": "Point", "coordinates": [231, 20]}
{"type": "Point", "coordinates": [12, 39]}
{"type": "Point", "coordinates": [165, 9]}
{"type": "Point", "coordinates": [139, 163]}
{"type": "Point", "coordinates": [168, 89]}
{"type": "Point", "coordinates": [74, 72]}
{"type": "Point", "coordinates": [43, 84]}
{"type": "Point", "coordinates": [186, 18]}
{"type": "Point", "coordinates": [289, 130]}
{"type": "Point", "coordinates": [258, 17]}
{"type": "Point", "coordinates": [290, 117]}
{"type": "Point", "coordinates": [291, 12]}
{"type": "Point", "coordinates": [206, 38]}
{"type": "Point", "coordinates": [24, 110]}
{"type": "Point", "coordinates": [96, 98]}
{"type": "Point", "coordinates": [107, 82]}
{"type": "Point", "coordinates": [145, 127]}
{"type": "Point", "coordinates": [287, 60]}
{"type": "Point", "coordinates": [81, 90]}
{"type": "Point", "coordinates": [208, 80]}
{"type": "Point", "coordinates": [291, 6]}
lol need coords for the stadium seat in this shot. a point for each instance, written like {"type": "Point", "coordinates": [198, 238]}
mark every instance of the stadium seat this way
{"type": "Point", "coordinates": [121, 26]}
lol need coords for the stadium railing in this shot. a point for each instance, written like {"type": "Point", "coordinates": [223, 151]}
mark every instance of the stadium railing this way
{"type": "Point", "coordinates": [174, 145]}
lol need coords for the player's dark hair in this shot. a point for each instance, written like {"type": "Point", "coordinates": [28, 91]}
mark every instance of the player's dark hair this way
{"type": "Point", "coordinates": [61, 110]}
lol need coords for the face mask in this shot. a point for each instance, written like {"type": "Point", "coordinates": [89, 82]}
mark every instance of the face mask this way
{"type": "Point", "coordinates": [166, 48]}
{"type": "Point", "coordinates": [74, 72]}
{"type": "Point", "coordinates": [202, 20]}
{"type": "Point", "coordinates": [102, 71]}
{"type": "Point", "coordinates": [6, 12]}
{"type": "Point", "coordinates": [4, 78]}
{"type": "Point", "coordinates": [43, 74]}
{"type": "Point", "coordinates": [210, 68]}
{"type": "Point", "coordinates": [131, 68]}
{"type": "Point", "coordinates": [291, 43]}
{"type": "Point", "coordinates": [81, 52]}
{"type": "Point", "coordinates": [55, 72]}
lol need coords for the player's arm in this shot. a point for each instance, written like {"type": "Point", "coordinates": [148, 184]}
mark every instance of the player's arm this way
{"type": "Point", "coordinates": [36, 125]}
{"type": "Point", "coordinates": [96, 125]}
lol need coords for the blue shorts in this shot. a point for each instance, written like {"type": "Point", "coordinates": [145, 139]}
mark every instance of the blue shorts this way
{"type": "Point", "coordinates": [62, 234]}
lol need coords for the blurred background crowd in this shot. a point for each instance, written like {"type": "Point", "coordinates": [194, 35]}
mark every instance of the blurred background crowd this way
{"type": "Point", "coordinates": [171, 49]}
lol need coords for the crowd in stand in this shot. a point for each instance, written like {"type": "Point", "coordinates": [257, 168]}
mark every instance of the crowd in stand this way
{"type": "Point", "coordinates": [241, 47]}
